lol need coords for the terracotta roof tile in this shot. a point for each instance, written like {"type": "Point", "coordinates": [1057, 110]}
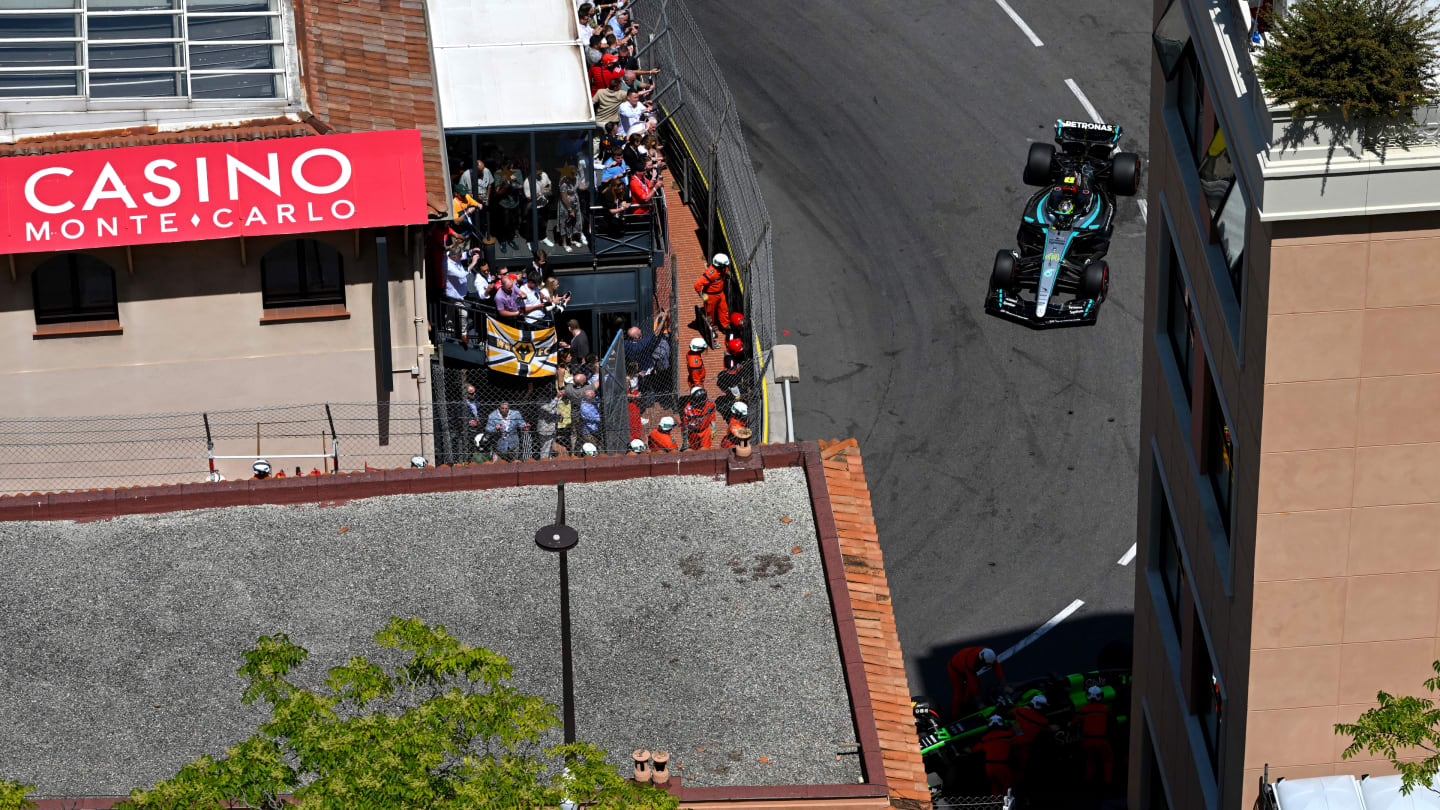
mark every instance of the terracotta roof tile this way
{"type": "Point", "coordinates": [875, 624]}
{"type": "Point", "coordinates": [259, 129]}
{"type": "Point", "coordinates": [381, 48]}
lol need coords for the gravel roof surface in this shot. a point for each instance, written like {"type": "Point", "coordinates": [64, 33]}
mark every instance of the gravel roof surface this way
{"type": "Point", "coordinates": [695, 625]}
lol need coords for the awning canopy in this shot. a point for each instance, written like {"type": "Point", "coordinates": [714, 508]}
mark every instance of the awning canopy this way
{"type": "Point", "coordinates": [507, 65]}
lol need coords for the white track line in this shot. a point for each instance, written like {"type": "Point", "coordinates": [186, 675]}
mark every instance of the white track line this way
{"type": "Point", "coordinates": [1144, 217]}
{"type": "Point", "coordinates": [1129, 555]}
{"type": "Point", "coordinates": [1085, 102]}
{"type": "Point", "coordinates": [1042, 629]}
{"type": "Point", "coordinates": [1005, 7]}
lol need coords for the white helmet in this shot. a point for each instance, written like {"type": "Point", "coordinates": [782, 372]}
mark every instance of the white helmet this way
{"type": "Point", "coordinates": [987, 656]}
{"type": "Point", "coordinates": [996, 721]}
{"type": "Point", "coordinates": [637, 446]}
{"type": "Point", "coordinates": [741, 408]}
{"type": "Point", "coordinates": [667, 424]}
{"type": "Point", "coordinates": [1039, 702]}
{"type": "Point", "coordinates": [214, 477]}
{"type": "Point", "coordinates": [261, 467]}
{"type": "Point", "coordinates": [1095, 694]}
{"type": "Point", "coordinates": [697, 345]}
{"type": "Point", "coordinates": [589, 449]}
{"type": "Point", "coordinates": [418, 461]}
{"type": "Point", "coordinates": [720, 260]}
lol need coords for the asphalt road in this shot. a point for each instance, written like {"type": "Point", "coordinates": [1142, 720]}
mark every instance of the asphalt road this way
{"type": "Point", "coordinates": [889, 138]}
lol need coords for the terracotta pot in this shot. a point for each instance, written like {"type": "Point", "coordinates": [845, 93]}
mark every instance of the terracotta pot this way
{"type": "Point", "coordinates": [743, 449]}
{"type": "Point", "coordinates": [662, 769]}
{"type": "Point", "coordinates": [642, 765]}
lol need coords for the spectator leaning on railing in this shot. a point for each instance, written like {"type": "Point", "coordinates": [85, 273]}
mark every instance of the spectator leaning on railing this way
{"type": "Point", "coordinates": [608, 101]}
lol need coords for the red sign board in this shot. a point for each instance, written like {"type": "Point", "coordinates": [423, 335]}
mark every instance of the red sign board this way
{"type": "Point", "coordinates": [178, 193]}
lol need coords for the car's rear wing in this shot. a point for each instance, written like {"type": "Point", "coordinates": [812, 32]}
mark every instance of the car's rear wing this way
{"type": "Point", "coordinates": [1086, 132]}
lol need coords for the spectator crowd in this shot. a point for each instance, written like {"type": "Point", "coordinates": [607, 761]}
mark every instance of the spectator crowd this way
{"type": "Point", "coordinates": [603, 179]}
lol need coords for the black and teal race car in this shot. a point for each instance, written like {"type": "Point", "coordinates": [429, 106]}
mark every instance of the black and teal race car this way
{"type": "Point", "coordinates": [1057, 276]}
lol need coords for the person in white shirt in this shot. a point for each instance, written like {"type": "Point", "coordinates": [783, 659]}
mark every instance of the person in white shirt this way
{"type": "Point", "coordinates": [538, 188]}
{"type": "Point", "coordinates": [534, 306]}
{"type": "Point", "coordinates": [457, 280]}
{"type": "Point", "coordinates": [631, 110]}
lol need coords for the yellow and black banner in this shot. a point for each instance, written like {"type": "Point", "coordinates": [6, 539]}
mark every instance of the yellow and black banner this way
{"type": "Point", "coordinates": [519, 352]}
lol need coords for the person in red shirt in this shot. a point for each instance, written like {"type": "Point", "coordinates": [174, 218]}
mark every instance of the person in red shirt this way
{"type": "Point", "coordinates": [738, 413]}
{"type": "Point", "coordinates": [640, 192]}
{"type": "Point", "coordinates": [660, 440]}
{"type": "Point", "coordinates": [698, 415]}
{"type": "Point", "coordinates": [965, 669]}
{"type": "Point", "coordinates": [995, 747]}
{"type": "Point", "coordinates": [1035, 728]}
{"type": "Point", "coordinates": [695, 361]}
{"type": "Point", "coordinates": [601, 74]}
{"type": "Point", "coordinates": [1094, 721]}
{"type": "Point", "coordinates": [711, 287]}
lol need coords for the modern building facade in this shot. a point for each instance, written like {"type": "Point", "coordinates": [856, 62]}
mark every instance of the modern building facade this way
{"type": "Point", "coordinates": [1288, 566]}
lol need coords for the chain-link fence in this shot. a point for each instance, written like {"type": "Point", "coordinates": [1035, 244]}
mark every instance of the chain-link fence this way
{"type": "Point", "coordinates": [477, 416]}
{"type": "Point", "coordinates": [708, 158]}
{"type": "Point", "coordinates": [92, 452]}
{"type": "Point", "coordinates": [973, 802]}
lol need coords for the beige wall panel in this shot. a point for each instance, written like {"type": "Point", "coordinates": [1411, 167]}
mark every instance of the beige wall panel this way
{"type": "Point", "coordinates": [1397, 474]}
{"type": "Point", "coordinates": [1401, 341]}
{"type": "Point", "coordinates": [1302, 545]}
{"type": "Point", "coordinates": [1311, 415]}
{"type": "Point", "coordinates": [1312, 479]}
{"type": "Point", "coordinates": [1289, 736]}
{"type": "Point", "coordinates": [1317, 278]}
{"type": "Point", "coordinates": [1391, 606]}
{"type": "Point", "coordinates": [1313, 346]}
{"type": "Point", "coordinates": [1298, 613]}
{"type": "Point", "coordinates": [1394, 539]}
{"type": "Point", "coordinates": [1398, 667]}
{"type": "Point", "coordinates": [1403, 273]}
{"type": "Point", "coordinates": [1294, 677]}
{"type": "Point", "coordinates": [1399, 410]}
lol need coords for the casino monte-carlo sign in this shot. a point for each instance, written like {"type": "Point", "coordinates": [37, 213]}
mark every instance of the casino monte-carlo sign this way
{"type": "Point", "coordinates": [184, 192]}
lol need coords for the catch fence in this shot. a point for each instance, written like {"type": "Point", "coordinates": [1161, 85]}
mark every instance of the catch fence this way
{"type": "Point", "coordinates": [708, 158]}
{"type": "Point", "coordinates": [94, 452]}
{"type": "Point", "coordinates": [45, 454]}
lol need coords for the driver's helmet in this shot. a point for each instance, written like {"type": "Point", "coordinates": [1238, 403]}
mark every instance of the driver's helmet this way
{"type": "Point", "coordinates": [1070, 198]}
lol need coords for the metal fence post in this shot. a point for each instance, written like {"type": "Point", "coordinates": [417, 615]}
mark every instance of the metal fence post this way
{"type": "Point", "coordinates": [714, 189]}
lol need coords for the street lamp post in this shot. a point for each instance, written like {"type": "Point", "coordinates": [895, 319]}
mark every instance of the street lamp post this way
{"type": "Point", "coordinates": [562, 538]}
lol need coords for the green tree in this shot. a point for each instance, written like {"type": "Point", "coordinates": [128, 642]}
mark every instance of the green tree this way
{"type": "Point", "coordinates": [442, 731]}
{"type": "Point", "coordinates": [1399, 729]}
{"type": "Point", "coordinates": [1365, 59]}
{"type": "Point", "coordinates": [13, 795]}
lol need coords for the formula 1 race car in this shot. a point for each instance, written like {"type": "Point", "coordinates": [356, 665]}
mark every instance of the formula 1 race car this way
{"type": "Point", "coordinates": [1065, 694]}
{"type": "Point", "coordinates": [1065, 229]}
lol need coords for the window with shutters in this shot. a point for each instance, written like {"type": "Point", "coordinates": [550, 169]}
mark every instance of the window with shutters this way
{"type": "Point", "coordinates": [198, 50]}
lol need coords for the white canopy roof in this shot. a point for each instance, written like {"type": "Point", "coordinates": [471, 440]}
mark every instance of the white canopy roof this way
{"type": "Point", "coordinates": [508, 64]}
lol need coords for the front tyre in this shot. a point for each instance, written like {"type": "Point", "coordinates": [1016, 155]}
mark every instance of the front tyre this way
{"type": "Point", "coordinates": [1039, 164]}
{"type": "Point", "coordinates": [1125, 174]}
{"type": "Point", "coordinates": [1002, 276]}
{"type": "Point", "coordinates": [1096, 281]}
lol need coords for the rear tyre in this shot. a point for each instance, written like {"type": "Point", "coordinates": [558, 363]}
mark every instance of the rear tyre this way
{"type": "Point", "coordinates": [1038, 164]}
{"type": "Point", "coordinates": [1096, 281]}
{"type": "Point", "coordinates": [1002, 277]}
{"type": "Point", "coordinates": [1125, 174]}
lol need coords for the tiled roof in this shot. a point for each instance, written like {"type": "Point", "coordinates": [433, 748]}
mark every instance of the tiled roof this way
{"type": "Point", "coordinates": [259, 129]}
{"type": "Point", "coordinates": [367, 67]}
{"type": "Point", "coordinates": [875, 624]}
